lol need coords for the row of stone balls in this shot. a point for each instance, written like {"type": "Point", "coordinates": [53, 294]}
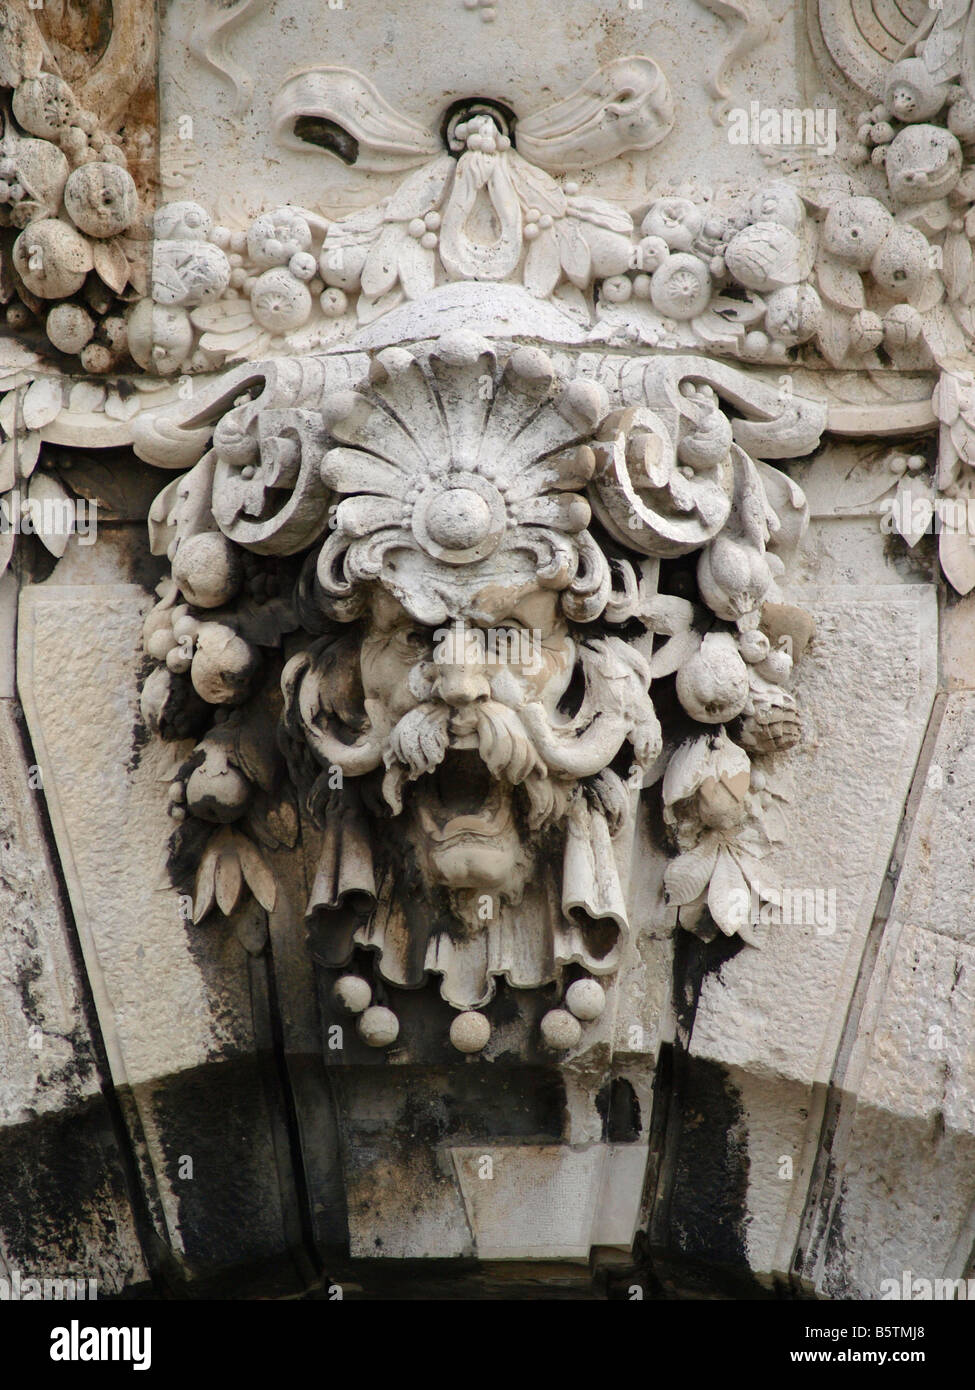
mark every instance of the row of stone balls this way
{"type": "Point", "coordinates": [470, 1032]}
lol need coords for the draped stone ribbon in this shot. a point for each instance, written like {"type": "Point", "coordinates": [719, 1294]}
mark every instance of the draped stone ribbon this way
{"type": "Point", "coordinates": [528, 944]}
{"type": "Point", "coordinates": [623, 106]}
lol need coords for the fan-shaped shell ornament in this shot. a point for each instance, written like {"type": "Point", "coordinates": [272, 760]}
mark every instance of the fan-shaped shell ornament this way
{"type": "Point", "coordinates": [455, 475]}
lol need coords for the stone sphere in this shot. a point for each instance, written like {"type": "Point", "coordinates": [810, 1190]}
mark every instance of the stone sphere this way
{"type": "Point", "coordinates": [902, 325]}
{"type": "Point", "coordinates": [681, 287]}
{"type": "Point", "coordinates": [458, 519]}
{"type": "Point", "coordinates": [101, 199]}
{"type": "Point", "coordinates": [181, 221]}
{"type": "Point", "coordinates": [617, 289]}
{"type": "Point", "coordinates": [866, 331]}
{"type": "Point", "coordinates": [470, 1032]}
{"type": "Point", "coordinates": [378, 1027]}
{"type": "Point", "coordinates": [794, 314]}
{"type": "Point", "coordinates": [207, 569]}
{"type": "Point", "coordinates": [69, 327]}
{"type": "Point", "coordinates": [651, 254]}
{"type": "Point", "coordinates": [97, 358]}
{"type": "Point", "coordinates": [352, 992]}
{"type": "Point", "coordinates": [901, 264]}
{"type": "Point", "coordinates": [52, 258]}
{"type": "Point", "coordinates": [279, 302]}
{"type": "Point", "coordinates": [303, 266]}
{"type": "Point", "coordinates": [188, 272]}
{"type": "Point", "coordinates": [41, 167]}
{"type": "Point", "coordinates": [532, 365]}
{"type": "Point", "coordinates": [586, 999]}
{"type": "Point", "coordinates": [333, 302]}
{"type": "Point", "coordinates": [217, 794]}
{"type": "Point", "coordinates": [45, 105]}
{"type": "Point", "coordinates": [278, 235]}
{"type": "Point", "coordinates": [560, 1030]}
{"type": "Point", "coordinates": [764, 256]}
{"type": "Point", "coordinates": [754, 646]}
{"type": "Point", "coordinates": [160, 643]}
{"type": "Point", "coordinates": [274, 237]}
{"type": "Point", "coordinates": [923, 162]}
{"type": "Point", "coordinates": [160, 336]}
{"type": "Point", "coordinates": [677, 221]}
{"type": "Point", "coordinates": [779, 202]}
{"type": "Point", "coordinates": [911, 93]}
{"type": "Point", "coordinates": [961, 120]}
{"type": "Point", "coordinates": [223, 666]}
{"type": "Point", "coordinates": [854, 229]}
{"type": "Point", "coordinates": [713, 685]}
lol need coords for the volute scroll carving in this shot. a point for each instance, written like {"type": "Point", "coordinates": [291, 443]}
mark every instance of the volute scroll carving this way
{"type": "Point", "coordinates": [438, 568]}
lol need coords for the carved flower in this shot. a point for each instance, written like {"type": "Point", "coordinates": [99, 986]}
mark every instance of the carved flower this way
{"type": "Point", "coordinates": [228, 864]}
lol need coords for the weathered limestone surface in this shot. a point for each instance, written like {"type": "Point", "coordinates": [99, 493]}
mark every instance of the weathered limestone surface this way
{"type": "Point", "coordinates": [65, 1210]}
{"type": "Point", "coordinates": [495, 792]}
{"type": "Point", "coordinates": [185, 1046]}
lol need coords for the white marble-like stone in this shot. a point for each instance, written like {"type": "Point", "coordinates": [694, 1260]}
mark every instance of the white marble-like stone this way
{"type": "Point", "coordinates": [905, 1143]}
{"type": "Point", "coordinates": [866, 683]}
{"type": "Point", "coordinates": [775, 1015]}
{"type": "Point", "coordinates": [421, 59]}
{"type": "Point", "coordinates": [8, 630]}
{"type": "Point", "coordinates": [42, 1029]}
{"type": "Point", "coordinates": [49, 1074]}
{"type": "Point", "coordinates": [938, 874]}
{"type": "Point", "coordinates": [78, 652]}
{"type": "Point", "coordinates": [534, 1203]}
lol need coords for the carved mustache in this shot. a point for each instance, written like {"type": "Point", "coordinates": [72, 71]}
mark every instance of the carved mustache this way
{"type": "Point", "coordinates": [420, 740]}
{"type": "Point", "coordinates": [521, 746]}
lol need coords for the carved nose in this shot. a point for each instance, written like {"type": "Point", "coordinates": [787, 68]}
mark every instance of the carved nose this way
{"type": "Point", "coordinates": [463, 685]}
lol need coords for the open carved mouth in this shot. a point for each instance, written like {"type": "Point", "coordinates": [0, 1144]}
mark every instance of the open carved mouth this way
{"type": "Point", "coordinates": [461, 798]}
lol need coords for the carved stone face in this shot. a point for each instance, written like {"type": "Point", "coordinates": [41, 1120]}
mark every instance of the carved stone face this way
{"type": "Point", "coordinates": [460, 546]}
{"type": "Point", "coordinates": [472, 680]}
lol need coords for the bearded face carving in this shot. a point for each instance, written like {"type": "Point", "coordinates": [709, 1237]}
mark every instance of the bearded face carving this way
{"type": "Point", "coordinates": [488, 699]}
{"type": "Point", "coordinates": [442, 566]}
